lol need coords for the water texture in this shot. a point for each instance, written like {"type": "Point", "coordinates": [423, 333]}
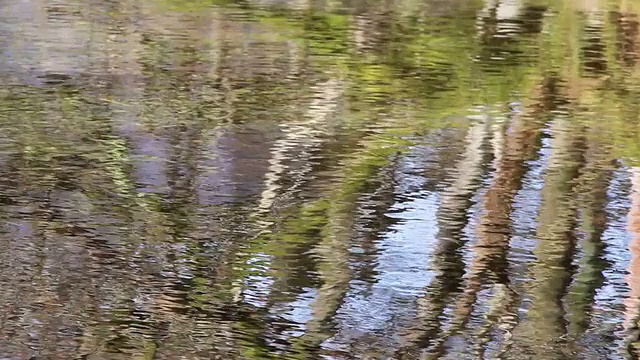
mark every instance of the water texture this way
{"type": "Point", "coordinates": [294, 179]}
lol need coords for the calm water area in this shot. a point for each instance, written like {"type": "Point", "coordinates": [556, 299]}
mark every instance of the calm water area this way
{"type": "Point", "coordinates": [319, 179]}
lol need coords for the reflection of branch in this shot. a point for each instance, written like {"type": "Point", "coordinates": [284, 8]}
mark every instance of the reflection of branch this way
{"type": "Point", "coordinates": [452, 218]}
{"type": "Point", "coordinates": [302, 137]}
{"type": "Point", "coordinates": [545, 325]}
{"type": "Point", "coordinates": [520, 144]}
{"type": "Point", "coordinates": [495, 226]}
{"type": "Point", "coordinates": [592, 195]}
{"type": "Point", "coordinates": [503, 303]}
{"type": "Point", "coordinates": [333, 268]}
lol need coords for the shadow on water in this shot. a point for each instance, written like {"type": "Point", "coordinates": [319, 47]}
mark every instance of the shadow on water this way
{"type": "Point", "coordinates": [319, 180]}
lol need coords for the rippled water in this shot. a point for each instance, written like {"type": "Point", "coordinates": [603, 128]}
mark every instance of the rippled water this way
{"type": "Point", "coordinates": [319, 180]}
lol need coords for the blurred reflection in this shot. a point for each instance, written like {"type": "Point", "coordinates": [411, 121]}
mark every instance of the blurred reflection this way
{"type": "Point", "coordinates": [331, 180]}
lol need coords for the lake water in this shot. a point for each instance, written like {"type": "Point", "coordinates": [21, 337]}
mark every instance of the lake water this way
{"type": "Point", "coordinates": [297, 179]}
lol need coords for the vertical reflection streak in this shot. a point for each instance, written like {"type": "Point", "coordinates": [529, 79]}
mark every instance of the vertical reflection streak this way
{"type": "Point", "coordinates": [490, 264]}
{"type": "Point", "coordinates": [544, 329]}
{"type": "Point", "coordinates": [632, 302]}
{"type": "Point", "coordinates": [452, 218]}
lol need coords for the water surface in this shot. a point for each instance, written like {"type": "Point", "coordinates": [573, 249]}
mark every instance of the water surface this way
{"type": "Point", "coordinates": [337, 180]}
